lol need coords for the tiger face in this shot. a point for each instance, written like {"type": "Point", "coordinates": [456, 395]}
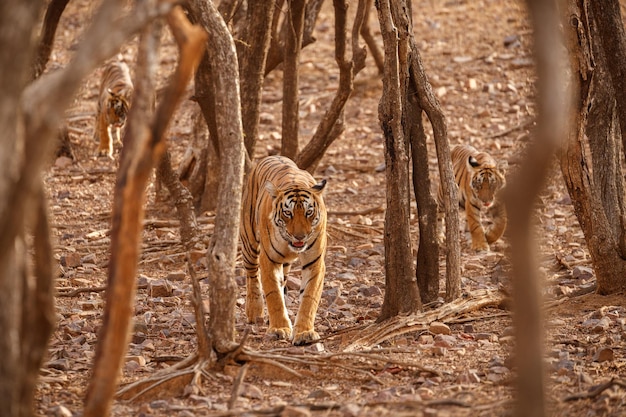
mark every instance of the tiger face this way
{"type": "Point", "coordinates": [486, 180]}
{"type": "Point", "coordinates": [283, 220]}
{"type": "Point", "coordinates": [296, 214]}
{"type": "Point", "coordinates": [117, 109]}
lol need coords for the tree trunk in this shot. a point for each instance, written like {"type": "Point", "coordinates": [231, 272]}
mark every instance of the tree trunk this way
{"type": "Point", "coordinates": [603, 131]}
{"type": "Point", "coordinates": [291, 95]}
{"type": "Point", "coordinates": [401, 292]}
{"type": "Point", "coordinates": [252, 60]}
{"type": "Point", "coordinates": [427, 265]}
{"type": "Point", "coordinates": [612, 37]}
{"type": "Point", "coordinates": [606, 255]}
{"type": "Point", "coordinates": [143, 147]}
{"type": "Point", "coordinates": [430, 104]}
{"type": "Point", "coordinates": [16, 52]}
{"type": "Point", "coordinates": [223, 66]}
{"type": "Point", "coordinates": [520, 197]}
{"type": "Point", "coordinates": [332, 124]}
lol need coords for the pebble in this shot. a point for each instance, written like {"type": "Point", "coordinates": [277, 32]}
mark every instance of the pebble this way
{"type": "Point", "coordinates": [439, 328]}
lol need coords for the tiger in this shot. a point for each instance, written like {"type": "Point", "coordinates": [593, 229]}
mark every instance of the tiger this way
{"type": "Point", "coordinates": [114, 101]}
{"type": "Point", "coordinates": [283, 219]}
{"type": "Point", "coordinates": [480, 181]}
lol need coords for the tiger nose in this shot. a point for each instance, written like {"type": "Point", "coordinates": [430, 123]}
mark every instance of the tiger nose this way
{"type": "Point", "coordinates": [299, 236]}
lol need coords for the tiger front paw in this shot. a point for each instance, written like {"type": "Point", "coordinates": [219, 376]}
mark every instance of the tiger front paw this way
{"type": "Point", "coordinates": [105, 153]}
{"type": "Point", "coordinates": [254, 310]}
{"type": "Point", "coordinates": [279, 333]}
{"type": "Point", "coordinates": [480, 246]}
{"type": "Point", "coordinates": [305, 337]}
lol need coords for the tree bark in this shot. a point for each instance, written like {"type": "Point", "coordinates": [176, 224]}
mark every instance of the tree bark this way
{"type": "Point", "coordinates": [613, 39]}
{"type": "Point", "coordinates": [222, 61]}
{"type": "Point", "coordinates": [520, 197]}
{"type": "Point", "coordinates": [427, 265]}
{"type": "Point", "coordinates": [602, 243]}
{"type": "Point", "coordinates": [252, 59]}
{"type": "Point", "coordinates": [143, 147]}
{"type": "Point", "coordinates": [291, 95]}
{"type": "Point", "coordinates": [401, 292]}
{"type": "Point", "coordinates": [430, 104]}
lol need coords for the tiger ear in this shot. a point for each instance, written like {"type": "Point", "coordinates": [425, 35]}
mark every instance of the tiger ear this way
{"type": "Point", "coordinates": [271, 189]}
{"type": "Point", "coordinates": [472, 162]}
{"type": "Point", "coordinates": [319, 186]}
{"type": "Point", "coordinates": [503, 166]}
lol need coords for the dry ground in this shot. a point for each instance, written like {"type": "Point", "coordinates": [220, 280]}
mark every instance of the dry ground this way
{"type": "Point", "coordinates": [477, 54]}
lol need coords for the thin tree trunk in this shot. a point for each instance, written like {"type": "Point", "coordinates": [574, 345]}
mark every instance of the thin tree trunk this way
{"type": "Point", "coordinates": [332, 124]}
{"type": "Point", "coordinates": [143, 148]}
{"type": "Point", "coordinates": [427, 265]}
{"type": "Point", "coordinates": [401, 292]}
{"type": "Point", "coordinates": [520, 197]}
{"type": "Point", "coordinates": [291, 95]}
{"type": "Point", "coordinates": [430, 104]}
{"type": "Point", "coordinates": [222, 250]}
{"type": "Point", "coordinates": [369, 39]}
{"type": "Point", "coordinates": [252, 67]}
{"type": "Point", "coordinates": [51, 20]}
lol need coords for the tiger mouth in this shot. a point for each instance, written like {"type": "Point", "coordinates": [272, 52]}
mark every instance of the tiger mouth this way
{"type": "Point", "coordinates": [298, 244]}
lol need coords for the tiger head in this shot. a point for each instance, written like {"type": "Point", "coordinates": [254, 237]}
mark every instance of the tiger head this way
{"type": "Point", "coordinates": [117, 108]}
{"type": "Point", "coordinates": [487, 179]}
{"type": "Point", "coordinates": [298, 214]}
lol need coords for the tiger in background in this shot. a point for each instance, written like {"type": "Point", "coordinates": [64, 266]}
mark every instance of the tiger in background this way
{"type": "Point", "coordinates": [283, 219]}
{"type": "Point", "coordinates": [480, 180]}
{"type": "Point", "coordinates": [114, 101]}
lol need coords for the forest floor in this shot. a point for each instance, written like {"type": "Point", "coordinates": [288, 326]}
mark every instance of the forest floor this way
{"type": "Point", "coordinates": [477, 56]}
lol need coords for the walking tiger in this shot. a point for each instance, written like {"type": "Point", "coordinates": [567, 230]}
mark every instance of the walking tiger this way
{"type": "Point", "coordinates": [283, 219]}
{"type": "Point", "coordinates": [116, 91]}
{"type": "Point", "coordinates": [479, 179]}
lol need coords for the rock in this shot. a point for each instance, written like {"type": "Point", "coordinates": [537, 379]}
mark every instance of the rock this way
{"type": "Point", "coordinates": [71, 260]}
{"type": "Point", "coordinates": [346, 276]}
{"type": "Point", "coordinates": [59, 411]}
{"type": "Point", "coordinates": [602, 325]}
{"type": "Point", "coordinates": [603, 354]}
{"type": "Point", "coordinates": [293, 411]}
{"type": "Point", "coordinates": [444, 340]}
{"type": "Point", "coordinates": [140, 360]}
{"type": "Point", "coordinates": [251, 391]}
{"type": "Point", "coordinates": [439, 328]}
{"type": "Point", "coordinates": [159, 288]}
{"type": "Point", "coordinates": [63, 162]}
{"type": "Point", "coordinates": [582, 272]}
{"type": "Point", "coordinates": [319, 394]}
{"type": "Point", "coordinates": [176, 276]}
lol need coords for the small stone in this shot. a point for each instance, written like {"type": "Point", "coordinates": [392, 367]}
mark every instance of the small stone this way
{"type": "Point", "coordinates": [602, 325]}
{"type": "Point", "coordinates": [140, 360]}
{"type": "Point", "coordinates": [176, 276]}
{"type": "Point", "coordinates": [71, 260]}
{"type": "Point", "coordinates": [603, 354]}
{"type": "Point", "coordinates": [439, 328]}
{"type": "Point", "coordinates": [63, 162]}
{"type": "Point", "coordinates": [159, 288]}
{"type": "Point", "coordinates": [252, 392]}
{"type": "Point", "coordinates": [346, 276]}
{"type": "Point", "coordinates": [59, 411]}
{"type": "Point", "coordinates": [293, 411]}
{"type": "Point", "coordinates": [319, 394]}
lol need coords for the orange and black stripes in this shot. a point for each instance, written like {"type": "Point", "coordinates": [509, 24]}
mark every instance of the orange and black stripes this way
{"type": "Point", "coordinates": [283, 219]}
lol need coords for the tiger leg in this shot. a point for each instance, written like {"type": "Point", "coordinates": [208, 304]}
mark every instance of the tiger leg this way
{"type": "Point", "coordinates": [472, 213]}
{"type": "Point", "coordinates": [498, 215]}
{"type": "Point", "coordinates": [254, 296]}
{"type": "Point", "coordinates": [313, 271]}
{"type": "Point", "coordinates": [272, 280]}
{"type": "Point", "coordinates": [106, 146]}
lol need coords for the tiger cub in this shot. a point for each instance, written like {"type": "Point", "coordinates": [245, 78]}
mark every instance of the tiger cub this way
{"type": "Point", "coordinates": [116, 91]}
{"type": "Point", "coordinates": [479, 179]}
{"type": "Point", "coordinates": [283, 219]}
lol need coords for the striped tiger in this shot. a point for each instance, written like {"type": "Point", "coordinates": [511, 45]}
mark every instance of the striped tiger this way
{"type": "Point", "coordinates": [283, 219]}
{"type": "Point", "coordinates": [480, 180]}
{"type": "Point", "coordinates": [116, 91]}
